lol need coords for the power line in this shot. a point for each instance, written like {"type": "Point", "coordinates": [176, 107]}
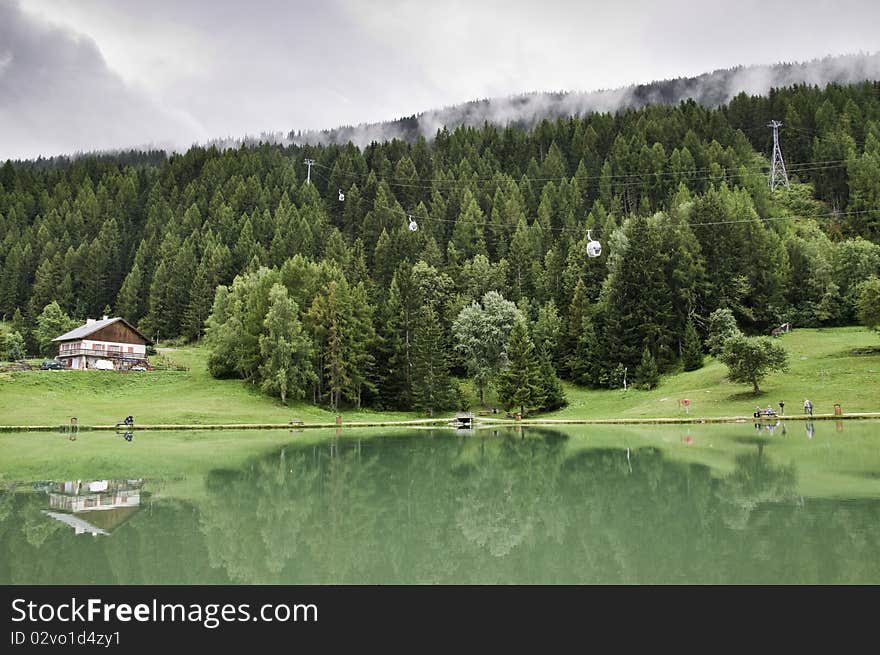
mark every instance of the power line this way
{"type": "Point", "coordinates": [578, 229]}
{"type": "Point", "coordinates": [643, 180]}
{"type": "Point", "coordinates": [689, 174]}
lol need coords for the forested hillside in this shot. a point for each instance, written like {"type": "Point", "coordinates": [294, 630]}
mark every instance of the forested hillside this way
{"type": "Point", "coordinates": [401, 263]}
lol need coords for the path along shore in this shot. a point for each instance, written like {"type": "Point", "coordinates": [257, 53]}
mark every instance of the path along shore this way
{"type": "Point", "coordinates": [442, 421]}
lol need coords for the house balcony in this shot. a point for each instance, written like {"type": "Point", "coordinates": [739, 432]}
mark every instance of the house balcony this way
{"type": "Point", "coordinates": [103, 354]}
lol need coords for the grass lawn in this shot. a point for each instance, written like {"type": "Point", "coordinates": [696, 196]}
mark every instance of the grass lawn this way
{"type": "Point", "coordinates": [825, 368]}
{"type": "Point", "coordinates": [153, 397]}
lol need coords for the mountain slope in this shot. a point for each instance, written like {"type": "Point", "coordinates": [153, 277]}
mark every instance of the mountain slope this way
{"type": "Point", "coordinates": [710, 89]}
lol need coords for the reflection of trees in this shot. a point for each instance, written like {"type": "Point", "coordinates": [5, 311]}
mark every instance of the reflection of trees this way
{"type": "Point", "coordinates": [435, 508]}
{"type": "Point", "coordinates": [636, 518]}
{"type": "Point", "coordinates": [312, 505]}
{"type": "Point", "coordinates": [754, 481]}
{"type": "Point", "coordinates": [510, 493]}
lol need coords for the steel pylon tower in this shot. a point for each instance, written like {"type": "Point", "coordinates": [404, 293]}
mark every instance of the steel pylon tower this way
{"type": "Point", "coordinates": [309, 163]}
{"type": "Point", "coordinates": [778, 176]}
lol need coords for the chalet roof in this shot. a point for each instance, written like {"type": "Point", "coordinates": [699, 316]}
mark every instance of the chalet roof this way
{"type": "Point", "coordinates": [78, 524]}
{"type": "Point", "coordinates": [93, 521]}
{"type": "Point", "coordinates": [90, 328]}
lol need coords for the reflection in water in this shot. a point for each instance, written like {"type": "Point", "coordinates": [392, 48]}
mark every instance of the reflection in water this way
{"type": "Point", "coordinates": [96, 507]}
{"type": "Point", "coordinates": [777, 427]}
{"type": "Point", "coordinates": [430, 507]}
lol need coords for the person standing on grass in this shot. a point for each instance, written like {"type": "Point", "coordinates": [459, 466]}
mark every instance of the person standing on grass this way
{"type": "Point", "coordinates": [808, 407]}
{"type": "Point", "coordinates": [781, 407]}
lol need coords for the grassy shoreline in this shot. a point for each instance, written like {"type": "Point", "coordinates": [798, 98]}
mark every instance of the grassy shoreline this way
{"type": "Point", "coordinates": [439, 422]}
{"type": "Point", "coordinates": [829, 366]}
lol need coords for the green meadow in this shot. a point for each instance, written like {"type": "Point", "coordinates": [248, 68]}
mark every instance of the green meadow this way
{"type": "Point", "coordinates": [828, 366]}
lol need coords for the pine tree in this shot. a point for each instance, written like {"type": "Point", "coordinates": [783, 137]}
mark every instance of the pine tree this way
{"type": "Point", "coordinates": [692, 353]}
{"type": "Point", "coordinates": [520, 383]}
{"type": "Point", "coordinates": [522, 254]}
{"type": "Point", "coordinates": [467, 235]}
{"type": "Point", "coordinates": [23, 328]}
{"type": "Point", "coordinates": [572, 354]}
{"type": "Point", "coordinates": [129, 300]}
{"type": "Point", "coordinates": [432, 388]}
{"type": "Point", "coordinates": [638, 303]}
{"type": "Point", "coordinates": [551, 385]}
{"type": "Point", "coordinates": [587, 365]}
{"type": "Point", "coordinates": [647, 376]}
{"type": "Point", "coordinates": [199, 307]}
{"type": "Point", "coordinates": [44, 288]}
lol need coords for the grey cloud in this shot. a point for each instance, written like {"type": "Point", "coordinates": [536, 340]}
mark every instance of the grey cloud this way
{"type": "Point", "coordinates": [232, 68]}
{"type": "Point", "coordinates": [710, 89]}
{"type": "Point", "coordinates": [57, 95]}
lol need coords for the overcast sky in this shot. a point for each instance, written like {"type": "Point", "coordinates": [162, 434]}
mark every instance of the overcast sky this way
{"type": "Point", "coordinates": [95, 74]}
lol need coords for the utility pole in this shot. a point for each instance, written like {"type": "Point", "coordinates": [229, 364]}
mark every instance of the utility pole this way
{"type": "Point", "coordinates": [778, 176]}
{"type": "Point", "coordinates": [309, 163]}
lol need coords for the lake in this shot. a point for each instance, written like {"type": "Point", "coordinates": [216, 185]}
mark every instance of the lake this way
{"type": "Point", "coordinates": [791, 503]}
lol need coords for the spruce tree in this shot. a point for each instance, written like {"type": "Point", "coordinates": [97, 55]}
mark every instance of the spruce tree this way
{"type": "Point", "coordinates": [587, 365]}
{"type": "Point", "coordinates": [692, 352]}
{"type": "Point", "coordinates": [638, 298]}
{"type": "Point", "coordinates": [520, 383]}
{"type": "Point", "coordinates": [201, 298]}
{"type": "Point", "coordinates": [572, 354]}
{"type": "Point", "coordinates": [467, 235]}
{"type": "Point", "coordinates": [129, 300]}
{"type": "Point", "coordinates": [551, 385]}
{"type": "Point", "coordinates": [432, 388]}
{"type": "Point", "coordinates": [23, 328]}
{"type": "Point", "coordinates": [647, 376]}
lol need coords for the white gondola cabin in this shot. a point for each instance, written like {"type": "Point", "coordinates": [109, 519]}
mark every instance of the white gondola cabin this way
{"type": "Point", "coordinates": [594, 248]}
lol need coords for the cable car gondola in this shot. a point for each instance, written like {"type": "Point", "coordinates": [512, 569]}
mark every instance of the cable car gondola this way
{"type": "Point", "coordinates": [594, 248]}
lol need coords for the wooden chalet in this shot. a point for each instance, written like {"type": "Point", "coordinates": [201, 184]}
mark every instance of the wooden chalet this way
{"type": "Point", "coordinates": [108, 343]}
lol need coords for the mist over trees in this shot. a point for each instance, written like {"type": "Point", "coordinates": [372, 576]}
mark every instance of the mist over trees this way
{"type": "Point", "coordinates": [235, 248]}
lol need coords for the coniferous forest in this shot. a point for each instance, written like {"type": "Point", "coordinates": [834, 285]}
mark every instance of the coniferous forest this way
{"type": "Point", "coordinates": [403, 267]}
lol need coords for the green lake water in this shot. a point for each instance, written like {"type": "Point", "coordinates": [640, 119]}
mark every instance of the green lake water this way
{"type": "Point", "coordinates": [795, 504]}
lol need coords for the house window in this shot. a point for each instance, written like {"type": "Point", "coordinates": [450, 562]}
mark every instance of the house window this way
{"type": "Point", "coordinates": [131, 349]}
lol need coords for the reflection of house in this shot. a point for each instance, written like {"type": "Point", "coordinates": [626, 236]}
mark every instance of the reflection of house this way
{"type": "Point", "coordinates": [96, 507]}
{"type": "Point", "coordinates": [109, 343]}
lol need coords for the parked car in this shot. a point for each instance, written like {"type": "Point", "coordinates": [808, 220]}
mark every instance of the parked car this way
{"type": "Point", "coordinates": [138, 368]}
{"type": "Point", "coordinates": [51, 365]}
